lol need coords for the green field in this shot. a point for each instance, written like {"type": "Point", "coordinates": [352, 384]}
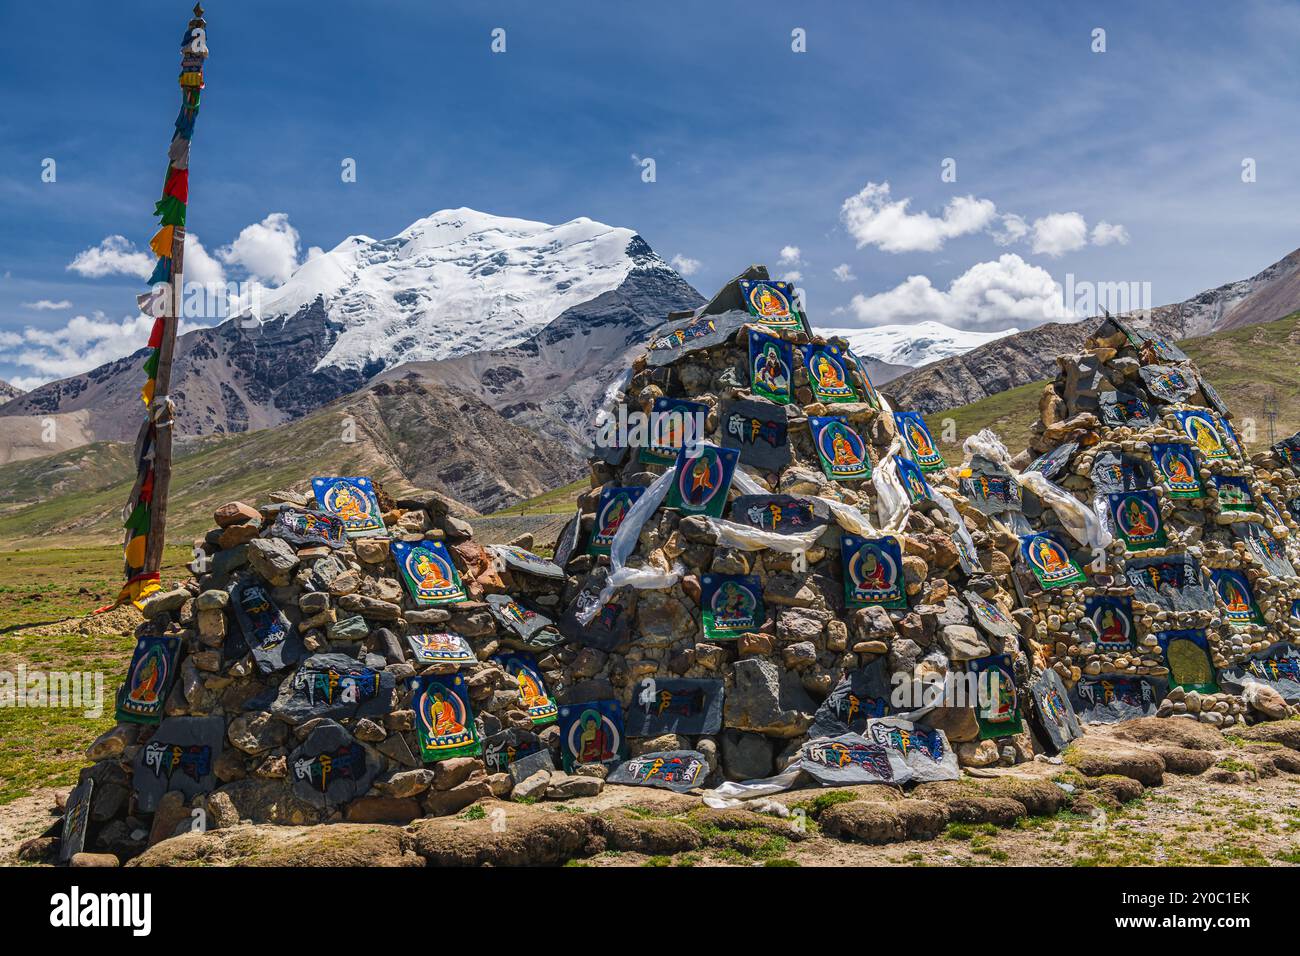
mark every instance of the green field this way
{"type": "Point", "coordinates": [45, 597]}
{"type": "Point", "coordinates": [554, 502]}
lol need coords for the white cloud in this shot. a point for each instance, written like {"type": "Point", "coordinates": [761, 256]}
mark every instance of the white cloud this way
{"type": "Point", "coordinates": [1059, 233]}
{"type": "Point", "coordinates": [114, 256]}
{"type": "Point", "coordinates": [1007, 290]}
{"type": "Point", "coordinates": [843, 273]}
{"type": "Point", "coordinates": [1013, 229]}
{"type": "Point", "coordinates": [200, 266]}
{"type": "Point", "coordinates": [45, 305]}
{"type": "Point", "coordinates": [794, 275]}
{"type": "Point", "coordinates": [1103, 234]}
{"type": "Point", "coordinates": [80, 345]}
{"type": "Point", "coordinates": [790, 256]}
{"type": "Point", "coordinates": [267, 249]}
{"type": "Point", "coordinates": [873, 219]}
{"type": "Point", "coordinates": [685, 265]}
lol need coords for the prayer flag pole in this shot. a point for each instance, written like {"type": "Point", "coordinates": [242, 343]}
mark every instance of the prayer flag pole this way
{"type": "Point", "coordinates": [145, 514]}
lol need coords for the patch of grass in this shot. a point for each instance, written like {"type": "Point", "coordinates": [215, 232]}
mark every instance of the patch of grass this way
{"type": "Point", "coordinates": [1234, 765]}
{"type": "Point", "coordinates": [780, 861]}
{"type": "Point", "coordinates": [476, 812]}
{"type": "Point", "coordinates": [51, 584]}
{"type": "Point", "coordinates": [824, 801]}
{"type": "Point", "coordinates": [968, 831]}
{"type": "Point", "coordinates": [659, 861]}
{"type": "Point", "coordinates": [1289, 856]}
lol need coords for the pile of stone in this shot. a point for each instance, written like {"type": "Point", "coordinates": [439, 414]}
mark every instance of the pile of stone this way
{"type": "Point", "coordinates": [1196, 595]}
{"type": "Point", "coordinates": [789, 677]}
{"type": "Point", "coordinates": [248, 716]}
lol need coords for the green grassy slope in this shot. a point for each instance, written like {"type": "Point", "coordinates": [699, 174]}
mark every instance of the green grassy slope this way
{"type": "Point", "coordinates": [1248, 366]}
{"type": "Point", "coordinates": [210, 474]}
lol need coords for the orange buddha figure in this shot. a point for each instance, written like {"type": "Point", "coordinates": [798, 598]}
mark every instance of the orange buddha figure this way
{"type": "Point", "coordinates": [919, 440]}
{"type": "Point", "coordinates": [828, 376]}
{"type": "Point", "coordinates": [530, 695]}
{"type": "Point", "coordinates": [1235, 600]}
{"type": "Point", "coordinates": [444, 717]}
{"type": "Point", "coordinates": [1177, 470]}
{"type": "Point", "coordinates": [767, 303]}
{"type": "Point", "coordinates": [1137, 519]}
{"type": "Point", "coordinates": [701, 475]}
{"type": "Point", "coordinates": [146, 688]}
{"type": "Point", "coordinates": [844, 454]}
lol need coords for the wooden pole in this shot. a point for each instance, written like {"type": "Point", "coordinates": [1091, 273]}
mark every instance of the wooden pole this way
{"type": "Point", "coordinates": [161, 409]}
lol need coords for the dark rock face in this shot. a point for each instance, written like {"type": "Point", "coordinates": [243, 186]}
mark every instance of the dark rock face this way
{"type": "Point", "coordinates": [554, 382]}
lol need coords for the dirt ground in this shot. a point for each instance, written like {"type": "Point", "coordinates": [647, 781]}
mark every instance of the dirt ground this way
{"type": "Point", "coordinates": [1202, 820]}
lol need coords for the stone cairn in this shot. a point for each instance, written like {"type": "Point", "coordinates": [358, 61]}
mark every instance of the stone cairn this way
{"type": "Point", "coordinates": [293, 679]}
{"type": "Point", "coordinates": [1196, 592]}
{"type": "Point", "coordinates": [779, 677]}
{"type": "Point", "coordinates": [246, 720]}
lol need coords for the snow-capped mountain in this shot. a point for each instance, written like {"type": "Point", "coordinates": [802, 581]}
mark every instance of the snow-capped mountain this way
{"type": "Point", "coordinates": [458, 283]}
{"type": "Point", "coordinates": [914, 345]}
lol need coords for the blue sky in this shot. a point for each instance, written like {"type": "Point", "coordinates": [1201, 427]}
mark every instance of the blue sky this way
{"type": "Point", "coordinates": [757, 148]}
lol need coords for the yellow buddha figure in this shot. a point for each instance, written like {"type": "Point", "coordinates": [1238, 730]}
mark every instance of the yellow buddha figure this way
{"type": "Point", "coordinates": [1189, 662]}
{"type": "Point", "coordinates": [919, 441]}
{"type": "Point", "coordinates": [1048, 557]}
{"type": "Point", "coordinates": [346, 505]}
{"type": "Point", "coordinates": [530, 695]}
{"type": "Point", "coordinates": [767, 303]}
{"type": "Point", "coordinates": [828, 376]}
{"type": "Point", "coordinates": [431, 575]}
{"type": "Point", "coordinates": [1206, 438]}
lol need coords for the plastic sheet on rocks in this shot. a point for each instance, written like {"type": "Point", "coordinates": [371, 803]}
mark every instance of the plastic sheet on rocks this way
{"type": "Point", "coordinates": [624, 543]}
{"type": "Point", "coordinates": [732, 794]}
{"type": "Point", "coordinates": [1080, 520]}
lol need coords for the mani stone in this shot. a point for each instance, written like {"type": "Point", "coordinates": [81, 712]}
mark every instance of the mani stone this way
{"type": "Point", "coordinates": [334, 686]}
{"type": "Point", "coordinates": [332, 767]}
{"type": "Point", "coordinates": [181, 755]}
